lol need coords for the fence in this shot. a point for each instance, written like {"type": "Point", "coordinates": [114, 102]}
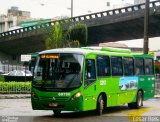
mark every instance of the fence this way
{"type": "Point", "coordinates": [157, 86]}
{"type": "Point", "coordinates": [5, 68]}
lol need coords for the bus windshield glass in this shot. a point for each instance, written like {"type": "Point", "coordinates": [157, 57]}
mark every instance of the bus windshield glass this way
{"type": "Point", "coordinates": [58, 71]}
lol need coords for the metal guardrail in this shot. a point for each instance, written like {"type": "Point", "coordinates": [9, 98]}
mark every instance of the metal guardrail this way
{"type": "Point", "coordinates": [5, 68]}
{"type": "Point", "coordinates": [157, 85]}
{"type": "Point", "coordinates": [137, 7]}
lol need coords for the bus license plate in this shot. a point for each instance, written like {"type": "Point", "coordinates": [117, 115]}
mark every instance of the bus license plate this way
{"type": "Point", "coordinates": [53, 104]}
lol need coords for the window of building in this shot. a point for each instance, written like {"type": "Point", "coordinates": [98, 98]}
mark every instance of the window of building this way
{"type": "Point", "coordinates": [103, 66]}
{"type": "Point", "coordinates": [117, 69]}
{"type": "Point", "coordinates": [128, 66]}
{"type": "Point", "coordinates": [149, 66]}
{"type": "Point", "coordinates": [108, 3]}
{"type": "Point", "coordinates": [139, 66]}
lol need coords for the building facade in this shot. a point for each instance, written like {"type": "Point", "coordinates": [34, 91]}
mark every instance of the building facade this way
{"type": "Point", "coordinates": [119, 4]}
{"type": "Point", "coordinates": [139, 1]}
{"type": "Point", "coordinates": [13, 17]}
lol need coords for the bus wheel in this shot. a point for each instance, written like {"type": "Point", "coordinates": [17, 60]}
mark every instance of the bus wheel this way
{"type": "Point", "coordinates": [100, 105]}
{"type": "Point", "coordinates": [56, 112]}
{"type": "Point", "coordinates": [139, 101]}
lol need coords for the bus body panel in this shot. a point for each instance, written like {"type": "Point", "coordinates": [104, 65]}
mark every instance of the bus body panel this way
{"type": "Point", "coordinates": [64, 100]}
{"type": "Point", "coordinates": [118, 89]}
{"type": "Point", "coordinates": [147, 84]}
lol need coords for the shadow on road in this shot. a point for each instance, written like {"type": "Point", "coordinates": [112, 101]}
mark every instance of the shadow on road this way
{"type": "Point", "coordinates": [86, 115]}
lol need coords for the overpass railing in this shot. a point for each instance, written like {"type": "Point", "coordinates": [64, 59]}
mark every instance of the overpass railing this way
{"type": "Point", "coordinates": [137, 7]}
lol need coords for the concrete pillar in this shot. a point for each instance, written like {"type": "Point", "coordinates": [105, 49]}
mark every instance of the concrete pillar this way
{"type": "Point", "coordinates": [6, 24]}
{"type": "Point", "coordinates": [14, 20]}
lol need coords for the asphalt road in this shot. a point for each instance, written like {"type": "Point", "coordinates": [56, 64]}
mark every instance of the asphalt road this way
{"type": "Point", "coordinates": [19, 110]}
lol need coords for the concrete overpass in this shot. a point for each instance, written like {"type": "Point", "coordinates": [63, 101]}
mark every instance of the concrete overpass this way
{"type": "Point", "coordinates": [106, 26]}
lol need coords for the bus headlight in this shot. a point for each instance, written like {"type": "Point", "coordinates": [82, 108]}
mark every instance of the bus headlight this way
{"type": "Point", "coordinates": [33, 95]}
{"type": "Point", "coordinates": [77, 95]}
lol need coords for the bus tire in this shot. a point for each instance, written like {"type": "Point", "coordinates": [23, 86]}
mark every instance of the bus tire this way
{"type": "Point", "coordinates": [57, 112]}
{"type": "Point", "coordinates": [139, 101]}
{"type": "Point", "coordinates": [100, 105]}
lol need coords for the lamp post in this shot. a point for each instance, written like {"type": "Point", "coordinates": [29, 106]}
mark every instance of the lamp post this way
{"type": "Point", "coordinates": [146, 28]}
{"type": "Point", "coordinates": [71, 8]}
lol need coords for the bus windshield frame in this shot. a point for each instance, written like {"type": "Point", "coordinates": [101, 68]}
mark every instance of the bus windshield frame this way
{"type": "Point", "coordinates": [58, 71]}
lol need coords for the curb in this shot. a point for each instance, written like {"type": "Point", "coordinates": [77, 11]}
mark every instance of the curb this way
{"type": "Point", "coordinates": [157, 96]}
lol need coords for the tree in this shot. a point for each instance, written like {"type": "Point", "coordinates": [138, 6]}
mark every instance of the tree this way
{"type": "Point", "coordinates": [75, 35]}
{"type": "Point", "coordinates": [58, 35]}
{"type": "Point", "coordinates": [54, 37]}
{"type": "Point", "coordinates": [78, 32]}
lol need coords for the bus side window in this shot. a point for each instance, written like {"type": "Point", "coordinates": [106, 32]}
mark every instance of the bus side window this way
{"type": "Point", "coordinates": [139, 66]}
{"type": "Point", "coordinates": [128, 66]}
{"type": "Point", "coordinates": [90, 72]}
{"type": "Point", "coordinates": [117, 69]}
{"type": "Point", "coordinates": [103, 66]}
{"type": "Point", "coordinates": [149, 66]}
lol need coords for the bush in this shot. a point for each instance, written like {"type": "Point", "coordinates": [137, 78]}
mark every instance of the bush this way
{"type": "Point", "coordinates": [1, 78]}
{"type": "Point", "coordinates": [15, 87]}
{"type": "Point", "coordinates": [157, 67]}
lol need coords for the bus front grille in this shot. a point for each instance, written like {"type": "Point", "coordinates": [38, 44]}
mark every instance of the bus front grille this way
{"type": "Point", "coordinates": [45, 98]}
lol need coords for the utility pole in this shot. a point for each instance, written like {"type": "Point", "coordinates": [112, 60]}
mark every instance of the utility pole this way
{"type": "Point", "coordinates": [146, 28]}
{"type": "Point", "coordinates": [71, 8]}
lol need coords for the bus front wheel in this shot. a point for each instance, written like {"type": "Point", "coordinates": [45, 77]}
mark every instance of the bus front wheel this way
{"type": "Point", "coordinates": [100, 105]}
{"type": "Point", "coordinates": [139, 101]}
{"type": "Point", "coordinates": [56, 112]}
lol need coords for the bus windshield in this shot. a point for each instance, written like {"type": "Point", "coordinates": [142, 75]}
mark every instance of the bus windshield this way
{"type": "Point", "coordinates": [58, 71]}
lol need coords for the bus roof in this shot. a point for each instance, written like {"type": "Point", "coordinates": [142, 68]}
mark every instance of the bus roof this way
{"type": "Point", "coordinates": [66, 50]}
{"type": "Point", "coordinates": [109, 49]}
{"type": "Point", "coordinates": [86, 50]}
{"type": "Point", "coordinates": [142, 55]}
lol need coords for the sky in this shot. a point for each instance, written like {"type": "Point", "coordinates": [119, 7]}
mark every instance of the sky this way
{"type": "Point", "coordinates": [153, 43]}
{"type": "Point", "coordinates": [53, 8]}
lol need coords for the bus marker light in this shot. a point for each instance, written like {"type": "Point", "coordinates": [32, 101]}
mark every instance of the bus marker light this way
{"type": "Point", "coordinates": [94, 98]}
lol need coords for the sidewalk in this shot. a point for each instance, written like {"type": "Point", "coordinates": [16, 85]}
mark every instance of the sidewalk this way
{"type": "Point", "coordinates": [15, 96]}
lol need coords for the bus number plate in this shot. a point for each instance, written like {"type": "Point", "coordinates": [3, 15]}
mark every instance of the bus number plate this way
{"type": "Point", "coordinates": [53, 104]}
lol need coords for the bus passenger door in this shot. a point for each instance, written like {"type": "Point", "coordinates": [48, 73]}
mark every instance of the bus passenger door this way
{"type": "Point", "coordinates": [89, 85]}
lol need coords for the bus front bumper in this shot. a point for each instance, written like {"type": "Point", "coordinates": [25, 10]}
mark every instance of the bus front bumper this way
{"type": "Point", "coordinates": [70, 105]}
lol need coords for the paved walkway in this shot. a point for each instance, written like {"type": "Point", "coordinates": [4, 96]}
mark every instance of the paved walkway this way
{"type": "Point", "coordinates": [14, 96]}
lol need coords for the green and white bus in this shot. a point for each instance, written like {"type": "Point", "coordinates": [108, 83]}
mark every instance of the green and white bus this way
{"type": "Point", "coordinates": [88, 78]}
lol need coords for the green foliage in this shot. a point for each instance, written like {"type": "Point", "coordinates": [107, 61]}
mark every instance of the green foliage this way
{"type": "Point", "coordinates": [157, 67]}
{"type": "Point", "coordinates": [57, 38]}
{"type": "Point", "coordinates": [48, 43]}
{"type": "Point", "coordinates": [1, 78]}
{"type": "Point", "coordinates": [57, 34]}
{"type": "Point", "coordinates": [74, 43]}
{"type": "Point", "coordinates": [54, 37]}
{"type": "Point", "coordinates": [15, 87]}
{"type": "Point", "coordinates": [78, 32]}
